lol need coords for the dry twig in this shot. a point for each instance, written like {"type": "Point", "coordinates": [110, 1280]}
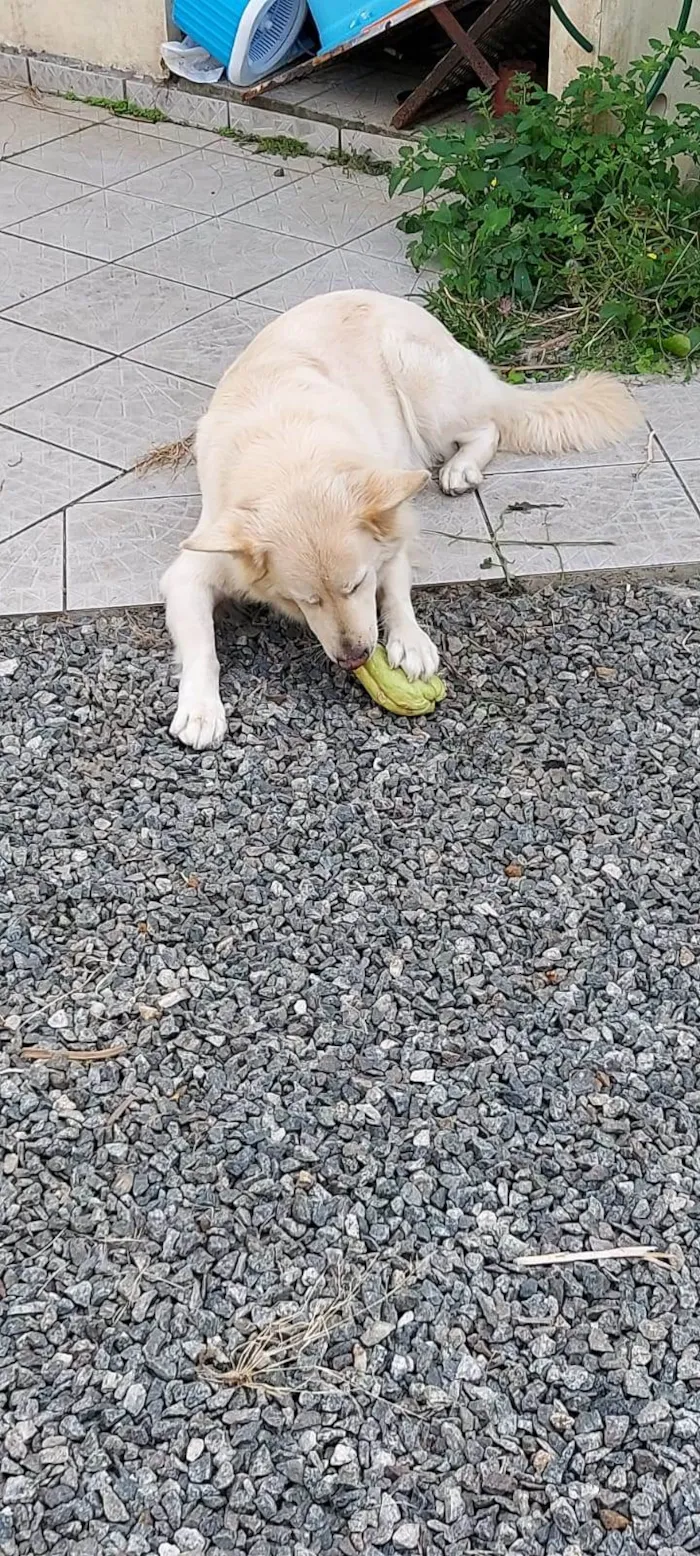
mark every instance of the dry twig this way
{"type": "Point", "coordinates": [595, 1256]}
{"type": "Point", "coordinates": [76, 1055]}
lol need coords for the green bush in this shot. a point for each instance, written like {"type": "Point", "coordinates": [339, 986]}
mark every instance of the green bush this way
{"type": "Point", "coordinates": [568, 231]}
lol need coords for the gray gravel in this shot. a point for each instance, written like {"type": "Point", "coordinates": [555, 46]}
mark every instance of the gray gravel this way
{"type": "Point", "coordinates": [398, 1002]}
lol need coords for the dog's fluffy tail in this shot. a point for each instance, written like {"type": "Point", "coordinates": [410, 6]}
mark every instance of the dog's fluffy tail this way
{"type": "Point", "coordinates": [589, 412]}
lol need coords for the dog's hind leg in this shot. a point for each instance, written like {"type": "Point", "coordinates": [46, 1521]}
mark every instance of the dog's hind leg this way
{"type": "Point", "coordinates": [191, 589]}
{"type": "Point", "coordinates": [448, 398]}
{"type": "Point", "coordinates": [465, 468]}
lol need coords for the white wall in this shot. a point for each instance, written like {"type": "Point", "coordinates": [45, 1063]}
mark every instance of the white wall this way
{"type": "Point", "coordinates": [620, 29]}
{"type": "Point", "coordinates": [124, 33]}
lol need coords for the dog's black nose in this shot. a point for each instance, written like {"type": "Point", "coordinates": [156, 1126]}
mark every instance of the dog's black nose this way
{"type": "Point", "coordinates": [352, 658]}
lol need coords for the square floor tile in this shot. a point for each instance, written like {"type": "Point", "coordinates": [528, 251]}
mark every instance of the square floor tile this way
{"type": "Point", "coordinates": [51, 102]}
{"type": "Point", "coordinates": [33, 362]}
{"type": "Point", "coordinates": [306, 162]}
{"type": "Point", "coordinates": [24, 193]}
{"type": "Point", "coordinates": [223, 256]}
{"type": "Point", "coordinates": [374, 97]}
{"type": "Point", "coordinates": [27, 269]}
{"type": "Point", "coordinates": [384, 148]}
{"type": "Point", "coordinates": [115, 414]}
{"type": "Point", "coordinates": [36, 479]}
{"type": "Point", "coordinates": [341, 77]}
{"type": "Point", "coordinates": [673, 409]}
{"type": "Point", "coordinates": [202, 181]}
{"type": "Point", "coordinates": [453, 542]}
{"type": "Point", "coordinates": [338, 271]}
{"type": "Point", "coordinates": [101, 154]}
{"type": "Point", "coordinates": [116, 552]}
{"type": "Point", "coordinates": [105, 224]}
{"type": "Point", "coordinates": [689, 472]}
{"type": "Point", "coordinates": [22, 126]}
{"type": "Point", "coordinates": [185, 135]}
{"type": "Point", "coordinates": [330, 207]}
{"type": "Point", "coordinates": [588, 521]}
{"type": "Point", "coordinates": [385, 242]}
{"type": "Point", "coordinates": [114, 308]}
{"type": "Point", "coordinates": [167, 484]}
{"type": "Point", "coordinates": [268, 123]}
{"type": "Point", "coordinates": [31, 570]}
{"type": "Point", "coordinates": [205, 348]}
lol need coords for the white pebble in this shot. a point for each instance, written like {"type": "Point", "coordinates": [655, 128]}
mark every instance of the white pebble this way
{"type": "Point", "coordinates": [343, 1453]}
{"type": "Point", "coordinates": [407, 1536]}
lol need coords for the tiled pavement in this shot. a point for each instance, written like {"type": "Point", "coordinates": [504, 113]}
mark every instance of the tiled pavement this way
{"type": "Point", "coordinates": [136, 261]}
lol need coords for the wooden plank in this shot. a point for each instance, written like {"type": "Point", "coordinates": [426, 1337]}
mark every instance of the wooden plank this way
{"type": "Point", "coordinates": [409, 110]}
{"type": "Point", "coordinates": [466, 45]}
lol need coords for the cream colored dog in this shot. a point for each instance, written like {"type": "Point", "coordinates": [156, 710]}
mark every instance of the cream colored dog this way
{"type": "Point", "coordinates": [313, 445]}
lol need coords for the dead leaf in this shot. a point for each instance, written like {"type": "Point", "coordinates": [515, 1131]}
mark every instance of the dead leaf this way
{"type": "Point", "coordinates": [514, 871]}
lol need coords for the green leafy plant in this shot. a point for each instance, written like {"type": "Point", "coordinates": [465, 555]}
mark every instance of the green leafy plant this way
{"type": "Point", "coordinates": [120, 107]}
{"type": "Point", "coordinates": [568, 231]}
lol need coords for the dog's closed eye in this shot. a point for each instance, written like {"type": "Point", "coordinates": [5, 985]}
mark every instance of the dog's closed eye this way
{"type": "Point", "coordinates": [353, 588]}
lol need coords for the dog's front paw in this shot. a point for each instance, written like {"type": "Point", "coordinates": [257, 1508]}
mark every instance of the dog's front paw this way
{"type": "Point", "coordinates": [199, 722]}
{"type": "Point", "coordinates": [413, 651]}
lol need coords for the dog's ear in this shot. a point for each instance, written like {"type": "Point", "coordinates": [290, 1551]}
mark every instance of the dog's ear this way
{"type": "Point", "coordinates": [380, 494]}
{"type": "Point", "coordinates": [224, 535]}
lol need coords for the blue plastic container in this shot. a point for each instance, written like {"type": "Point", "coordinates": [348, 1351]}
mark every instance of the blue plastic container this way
{"type": "Point", "coordinates": [339, 22]}
{"type": "Point", "coordinates": [269, 32]}
{"type": "Point", "coordinates": [210, 24]}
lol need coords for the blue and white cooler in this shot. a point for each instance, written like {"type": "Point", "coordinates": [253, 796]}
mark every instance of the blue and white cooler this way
{"type": "Point", "coordinates": [250, 40]}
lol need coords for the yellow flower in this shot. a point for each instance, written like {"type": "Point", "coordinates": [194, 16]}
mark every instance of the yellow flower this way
{"type": "Point", "coordinates": [494, 181]}
{"type": "Point", "coordinates": [651, 254]}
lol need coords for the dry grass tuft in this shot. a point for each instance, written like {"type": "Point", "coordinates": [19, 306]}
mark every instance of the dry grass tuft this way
{"type": "Point", "coordinates": [168, 456]}
{"type": "Point", "coordinates": [282, 1343]}
{"type": "Point", "coordinates": [276, 1347]}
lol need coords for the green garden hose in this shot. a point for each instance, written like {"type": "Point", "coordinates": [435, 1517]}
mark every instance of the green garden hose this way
{"type": "Point", "coordinates": [658, 81]}
{"type": "Point", "coordinates": [584, 43]}
{"type": "Point", "coordinates": [573, 31]}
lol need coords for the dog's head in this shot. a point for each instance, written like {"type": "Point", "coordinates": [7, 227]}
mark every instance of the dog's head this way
{"type": "Point", "coordinates": [317, 550]}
